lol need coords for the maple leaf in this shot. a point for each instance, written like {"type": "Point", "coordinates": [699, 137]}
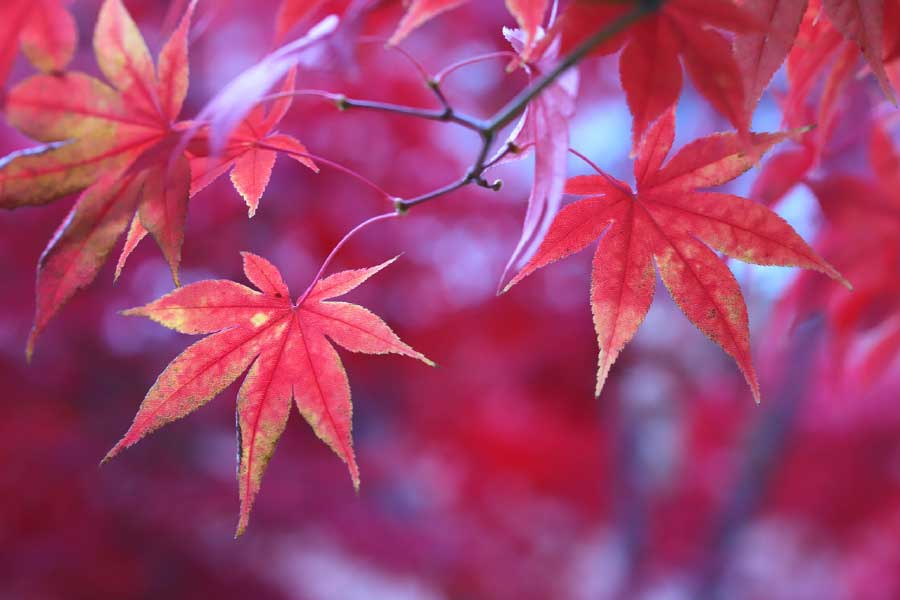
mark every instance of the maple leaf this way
{"type": "Point", "coordinates": [825, 27]}
{"type": "Point", "coordinates": [760, 53]}
{"type": "Point", "coordinates": [115, 143]}
{"type": "Point", "coordinates": [861, 21]}
{"type": "Point", "coordinates": [669, 222]}
{"type": "Point", "coordinates": [862, 238]}
{"type": "Point", "coordinates": [543, 127]}
{"type": "Point", "coordinates": [44, 30]}
{"type": "Point", "coordinates": [649, 66]}
{"type": "Point", "coordinates": [817, 44]}
{"type": "Point", "coordinates": [285, 347]}
{"type": "Point", "coordinates": [250, 156]}
{"type": "Point", "coordinates": [529, 14]}
{"type": "Point", "coordinates": [251, 151]}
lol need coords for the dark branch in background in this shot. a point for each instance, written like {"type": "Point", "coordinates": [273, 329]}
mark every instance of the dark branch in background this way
{"type": "Point", "coordinates": [764, 447]}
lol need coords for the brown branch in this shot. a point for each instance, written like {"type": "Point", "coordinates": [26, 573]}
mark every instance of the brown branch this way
{"type": "Point", "coordinates": [487, 129]}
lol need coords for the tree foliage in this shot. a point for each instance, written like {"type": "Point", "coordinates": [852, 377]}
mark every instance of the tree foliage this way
{"type": "Point", "coordinates": [121, 145]}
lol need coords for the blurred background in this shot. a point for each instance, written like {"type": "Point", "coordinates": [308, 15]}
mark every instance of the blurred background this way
{"type": "Point", "coordinates": [497, 475]}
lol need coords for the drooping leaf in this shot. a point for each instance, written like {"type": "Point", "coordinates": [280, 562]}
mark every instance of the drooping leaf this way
{"type": "Point", "coordinates": [287, 349]}
{"type": "Point", "coordinates": [544, 127]}
{"type": "Point", "coordinates": [669, 222]}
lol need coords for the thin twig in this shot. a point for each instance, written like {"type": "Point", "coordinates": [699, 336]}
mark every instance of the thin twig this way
{"type": "Point", "coordinates": [404, 205]}
{"type": "Point", "coordinates": [448, 114]}
{"type": "Point", "coordinates": [509, 112]}
{"type": "Point", "coordinates": [344, 103]}
{"type": "Point", "coordinates": [432, 83]}
{"type": "Point", "coordinates": [514, 107]}
{"type": "Point", "coordinates": [488, 129]}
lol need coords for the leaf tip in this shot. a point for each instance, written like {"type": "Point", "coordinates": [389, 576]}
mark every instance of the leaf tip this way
{"type": "Point", "coordinates": [137, 311]}
{"type": "Point", "coordinates": [602, 373]}
{"type": "Point", "coordinates": [241, 526]}
{"type": "Point", "coordinates": [32, 340]}
{"type": "Point", "coordinates": [519, 277]}
{"type": "Point", "coordinates": [110, 455]}
{"type": "Point", "coordinates": [754, 389]}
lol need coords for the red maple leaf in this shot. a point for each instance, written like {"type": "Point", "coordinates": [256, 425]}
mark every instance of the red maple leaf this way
{"type": "Point", "coordinates": [761, 53]}
{"type": "Point", "coordinates": [669, 222]}
{"type": "Point", "coordinates": [44, 30]}
{"type": "Point", "coordinates": [285, 347]}
{"type": "Point", "coordinates": [862, 238]}
{"type": "Point", "coordinates": [818, 47]}
{"type": "Point", "coordinates": [649, 65]}
{"type": "Point", "coordinates": [250, 156]}
{"type": "Point", "coordinates": [115, 143]}
{"type": "Point", "coordinates": [862, 22]}
{"type": "Point", "coordinates": [251, 151]}
{"type": "Point", "coordinates": [869, 26]}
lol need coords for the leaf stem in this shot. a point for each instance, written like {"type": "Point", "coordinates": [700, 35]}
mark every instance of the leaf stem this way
{"type": "Point", "coordinates": [586, 160]}
{"type": "Point", "coordinates": [443, 73]}
{"type": "Point", "coordinates": [340, 244]}
{"type": "Point", "coordinates": [612, 180]}
{"type": "Point", "coordinates": [326, 161]}
{"type": "Point", "coordinates": [386, 45]}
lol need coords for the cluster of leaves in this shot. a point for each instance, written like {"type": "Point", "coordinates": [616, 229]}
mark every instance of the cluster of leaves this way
{"type": "Point", "coordinates": [121, 145]}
